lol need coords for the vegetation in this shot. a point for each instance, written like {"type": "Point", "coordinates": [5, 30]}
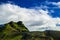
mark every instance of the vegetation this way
{"type": "Point", "coordinates": [17, 31]}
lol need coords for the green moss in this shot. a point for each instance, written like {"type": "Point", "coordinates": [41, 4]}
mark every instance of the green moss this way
{"type": "Point", "coordinates": [17, 31]}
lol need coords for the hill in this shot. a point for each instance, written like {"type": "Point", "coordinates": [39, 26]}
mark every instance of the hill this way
{"type": "Point", "coordinates": [17, 31]}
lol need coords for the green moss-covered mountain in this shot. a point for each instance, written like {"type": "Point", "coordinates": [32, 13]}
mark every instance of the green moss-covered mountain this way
{"type": "Point", "coordinates": [12, 31]}
{"type": "Point", "coordinates": [17, 31]}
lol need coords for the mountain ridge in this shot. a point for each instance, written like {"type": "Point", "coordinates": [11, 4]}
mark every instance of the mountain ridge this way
{"type": "Point", "coordinates": [17, 31]}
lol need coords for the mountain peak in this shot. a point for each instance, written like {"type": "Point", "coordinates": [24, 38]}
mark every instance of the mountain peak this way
{"type": "Point", "coordinates": [19, 26]}
{"type": "Point", "coordinates": [19, 22]}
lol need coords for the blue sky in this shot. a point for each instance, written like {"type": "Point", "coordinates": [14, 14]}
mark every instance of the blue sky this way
{"type": "Point", "coordinates": [34, 3]}
{"type": "Point", "coordinates": [28, 3]}
{"type": "Point", "coordinates": [36, 14]}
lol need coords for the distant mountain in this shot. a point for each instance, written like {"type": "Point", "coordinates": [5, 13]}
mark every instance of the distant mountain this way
{"type": "Point", "coordinates": [17, 31]}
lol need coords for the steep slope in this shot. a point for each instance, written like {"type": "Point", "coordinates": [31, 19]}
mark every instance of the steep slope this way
{"type": "Point", "coordinates": [12, 29]}
{"type": "Point", "coordinates": [17, 31]}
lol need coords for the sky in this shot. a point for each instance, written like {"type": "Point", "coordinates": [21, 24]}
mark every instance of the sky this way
{"type": "Point", "coordinates": [37, 15]}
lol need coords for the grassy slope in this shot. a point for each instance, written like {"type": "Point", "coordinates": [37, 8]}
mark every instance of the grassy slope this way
{"type": "Point", "coordinates": [17, 31]}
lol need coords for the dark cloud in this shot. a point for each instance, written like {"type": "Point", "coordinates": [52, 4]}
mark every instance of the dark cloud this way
{"type": "Point", "coordinates": [36, 23]}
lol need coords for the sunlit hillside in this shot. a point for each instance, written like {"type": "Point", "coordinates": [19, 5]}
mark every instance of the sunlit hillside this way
{"type": "Point", "coordinates": [17, 31]}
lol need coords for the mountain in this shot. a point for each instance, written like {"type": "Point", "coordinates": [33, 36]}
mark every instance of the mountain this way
{"type": "Point", "coordinates": [17, 31]}
{"type": "Point", "coordinates": [12, 30]}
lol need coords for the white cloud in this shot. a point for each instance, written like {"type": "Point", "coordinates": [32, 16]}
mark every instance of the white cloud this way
{"type": "Point", "coordinates": [52, 11]}
{"type": "Point", "coordinates": [56, 3]}
{"type": "Point", "coordinates": [34, 20]}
